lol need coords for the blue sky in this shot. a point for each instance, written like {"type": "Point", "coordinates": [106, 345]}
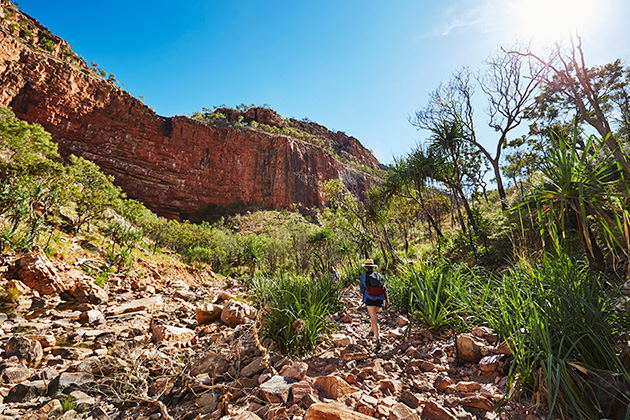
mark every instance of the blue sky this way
{"type": "Point", "coordinates": [358, 66]}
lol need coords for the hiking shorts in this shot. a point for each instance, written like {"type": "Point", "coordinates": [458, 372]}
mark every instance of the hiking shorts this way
{"type": "Point", "coordinates": [374, 302]}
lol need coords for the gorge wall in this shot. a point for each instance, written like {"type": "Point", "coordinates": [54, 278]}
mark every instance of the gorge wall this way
{"type": "Point", "coordinates": [176, 166]}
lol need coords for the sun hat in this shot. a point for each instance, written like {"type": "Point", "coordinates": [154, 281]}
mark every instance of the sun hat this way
{"type": "Point", "coordinates": [369, 263]}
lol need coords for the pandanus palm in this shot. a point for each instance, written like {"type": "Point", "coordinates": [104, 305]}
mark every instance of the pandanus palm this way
{"type": "Point", "coordinates": [409, 178]}
{"type": "Point", "coordinates": [453, 162]}
{"type": "Point", "coordinates": [581, 189]}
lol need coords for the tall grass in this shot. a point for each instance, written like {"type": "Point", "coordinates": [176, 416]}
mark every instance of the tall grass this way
{"type": "Point", "coordinates": [297, 309]}
{"type": "Point", "coordinates": [560, 320]}
{"type": "Point", "coordinates": [427, 292]}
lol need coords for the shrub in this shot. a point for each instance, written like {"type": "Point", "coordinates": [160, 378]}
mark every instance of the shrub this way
{"type": "Point", "coordinates": [561, 322]}
{"type": "Point", "coordinates": [427, 292]}
{"type": "Point", "coordinates": [67, 403]}
{"type": "Point", "coordinates": [123, 238]}
{"type": "Point", "coordinates": [101, 278]}
{"type": "Point", "coordinates": [561, 318]}
{"type": "Point", "coordinates": [67, 52]}
{"type": "Point", "coordinates": [9, 294]}
{"type": "Point", "coordinates": [47, 44]}
{"type": "Point", "coordinates": [297, 309]}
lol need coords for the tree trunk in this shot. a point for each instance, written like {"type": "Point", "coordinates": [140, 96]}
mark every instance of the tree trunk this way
{"type": "Point", "coordinates": [500, 188]}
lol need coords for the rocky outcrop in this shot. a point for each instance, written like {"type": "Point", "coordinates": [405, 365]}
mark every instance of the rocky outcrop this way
{"type": "Point", "coordinates": [177, 166]}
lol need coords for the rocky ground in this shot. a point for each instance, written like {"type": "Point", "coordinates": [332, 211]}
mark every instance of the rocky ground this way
{"type": "Point", "coordinates": [166, 342]}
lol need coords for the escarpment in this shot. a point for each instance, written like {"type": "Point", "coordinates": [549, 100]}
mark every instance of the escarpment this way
{"type": "Point", "coordinates": [176, 166]}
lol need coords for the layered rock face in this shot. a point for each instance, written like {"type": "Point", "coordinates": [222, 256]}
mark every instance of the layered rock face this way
{"type": "Point", "coordinates": [176, 166]}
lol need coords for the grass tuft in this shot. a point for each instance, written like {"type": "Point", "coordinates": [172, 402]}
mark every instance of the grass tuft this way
{"type": "Point", "coordinates": [297, 310]}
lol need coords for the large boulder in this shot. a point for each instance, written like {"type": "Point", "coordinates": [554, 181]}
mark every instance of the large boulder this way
{"type": "Point", "coordinates": [68, 381]}
{"type": "Point", "coordinates": [208, 313]}
{"type": "Point", "coordinates": [276, 389]}
{"type": "Point", "coordinates": [25, 349]}
{"type": "Point", "coordinates": [301, 389]}
{"type": "Point", "coordinates": [435, 411]}
{"type": "Point", "coordinates": [83, 289]}
{"type": "Point", "coordinates": [26, 391]}
{"type": "Point", "coordinates": [171, 334]}
{"type": "Point", "coordinates": [13, 373]}
{"type": "Point", "coordinates": [235, 313]}
{"type": "Point", "coordinates": [92, 317]}
{"type": "Point", "coordinates": [333, 386]}
{"type": "Point", "coordinates": [37, 272]}
{"type": "Point", "coordinates": [401, 412]}
{"type": "Point", "coordinates": [253, 368]}
{"type": "Point", "coordinates": [470, 348]}
{"type": "Point", "coordinates": [295, 370]}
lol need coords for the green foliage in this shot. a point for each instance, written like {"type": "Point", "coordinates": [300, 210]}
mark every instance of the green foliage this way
{"type": "Point", "coordinates": [92, 192]}
{"type": "Point", "coordinates": [209, 116]}
{"type": "Point", "coordinates": [581, 191]}
{"type": "Point", "coordinates": [67, 52]}
{"type": "Point", "coordinates": [102, 73]}
{"type": "Point", "coordinates": [297, 310]}
{"type": "Point", "coordinates": [31, 186]}
{"type": "Point", "coordinates": [102, 278]}
{"type": "Point", "coordinates": [67, 403]}
{"type": "Point", "coordinates": [47, 44]}
{"type": "Point", "coordinates": [9, 294]}
{"type": "Point", "coordinates": [560, 320]}
{"type": "Point", "coordinates": [562, 330]}
{"type": "Point", "coordinates": [196, 243]}
{"type": "Point", "coordinates": [123, 238]}
{"type": "Point", "coordinates": [428, 292]}
{"type": "Point", "coordinates": [253, 251]}
{"type": "Point", "coordinates": [23, 140]}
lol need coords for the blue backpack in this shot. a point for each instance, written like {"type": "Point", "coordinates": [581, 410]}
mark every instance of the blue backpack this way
{"type": "Point", "coordinates": [374, 283]}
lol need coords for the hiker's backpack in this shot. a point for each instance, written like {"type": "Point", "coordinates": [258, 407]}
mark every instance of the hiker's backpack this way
{"type": "Point", "coordinates": [374, 283]}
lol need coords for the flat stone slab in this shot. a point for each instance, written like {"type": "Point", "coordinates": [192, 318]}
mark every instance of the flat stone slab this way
{"type": "Point", "coordinates": [144, 304]}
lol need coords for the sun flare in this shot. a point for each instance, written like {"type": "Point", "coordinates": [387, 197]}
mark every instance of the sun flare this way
{"type": "Point", "coordinates": [549, 20]}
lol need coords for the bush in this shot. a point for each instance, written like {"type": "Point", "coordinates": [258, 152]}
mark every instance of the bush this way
{"type": "Point", "coordinates": [9, 294]}
{"type": "Point", "coordinates": [297, 310]}
{"type": "Point", "coordinates": [561, 320]}
{"type": "Point", "coordinates": [47, 44]}
{"type": "Point", "coordinates": [428, 292]}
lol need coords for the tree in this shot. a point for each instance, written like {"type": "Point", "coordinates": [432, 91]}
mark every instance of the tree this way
{"type": "Point", "coordinates": [621, 98]}
{"type": "Point", "coordinates": [93, 191]}
{"type": "Point", "coordinates": [591, 90]}
{"type": "Point", "coordinates": [32, 187]}
{"type": "Point", "coordinates": [361, 221]}
{"type": "Point", "coordinates": [22, 139]}
{"type": "Point", "coordinates": [408, 178]}
{"type": "Point", "coordinates": [510, 93]}
{"type": "Point", "coordinates": [454, 163]}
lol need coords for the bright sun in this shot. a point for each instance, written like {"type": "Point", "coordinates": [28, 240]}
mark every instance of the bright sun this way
{"type": "Point", "coordinates": [549, 20]}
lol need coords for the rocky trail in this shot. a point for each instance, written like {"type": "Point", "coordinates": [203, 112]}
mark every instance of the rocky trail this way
{"type": "Point", "coordinates": [165, 342]}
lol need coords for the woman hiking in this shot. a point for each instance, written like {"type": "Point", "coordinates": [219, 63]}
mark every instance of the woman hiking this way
{"type": "Point", "coordinates": [374, 294]}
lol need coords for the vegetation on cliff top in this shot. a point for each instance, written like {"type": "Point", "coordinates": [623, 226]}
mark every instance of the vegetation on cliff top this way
{"type": "Point", "coordinates": [224, 116]}
{"type": "Point", "coordinates": [39, 37]}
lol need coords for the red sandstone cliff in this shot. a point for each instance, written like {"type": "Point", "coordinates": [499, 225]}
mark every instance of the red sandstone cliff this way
{"type": "Point", "coordinates": [176, 166]}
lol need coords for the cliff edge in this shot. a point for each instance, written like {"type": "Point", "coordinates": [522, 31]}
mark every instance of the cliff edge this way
{"type": "Point", "coordinates": [178, 167]}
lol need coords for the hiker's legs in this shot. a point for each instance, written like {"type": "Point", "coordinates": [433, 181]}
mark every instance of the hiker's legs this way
{"type": "Point", "coordinates": [372, 310]}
